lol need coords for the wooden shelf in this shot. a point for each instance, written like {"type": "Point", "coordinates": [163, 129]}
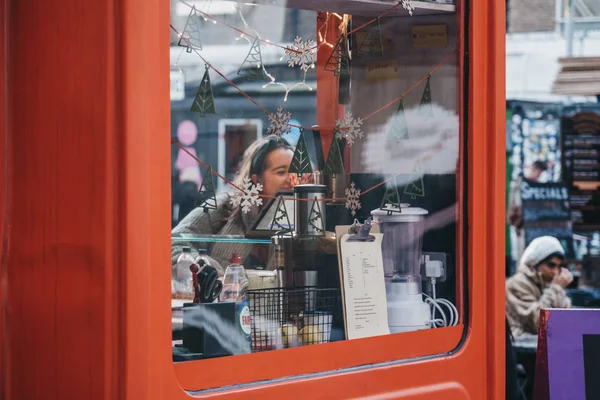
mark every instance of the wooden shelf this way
{"type": "Point", "coordinates": [359, 7]}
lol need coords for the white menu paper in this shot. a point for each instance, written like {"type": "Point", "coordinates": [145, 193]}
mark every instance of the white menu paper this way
{"type": "Point", "coordinates": [363, 288]}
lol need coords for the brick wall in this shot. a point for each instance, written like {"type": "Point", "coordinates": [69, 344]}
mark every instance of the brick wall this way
{"type": "Point", "coordinates": [531, 15]}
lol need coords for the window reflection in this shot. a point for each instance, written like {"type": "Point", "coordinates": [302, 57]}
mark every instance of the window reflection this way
{"type": "Point", "coordinates": [364, 201]}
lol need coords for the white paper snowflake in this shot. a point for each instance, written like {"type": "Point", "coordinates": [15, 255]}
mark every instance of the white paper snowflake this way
{"type": "Point", "coordinates": [249, 197]}
{"type": "Point", "coordinates": [408, 6]}
{"type": "Point", "coordinates": [280, 122]}
{"type": "Point", "coordinates": [349, 128]}
{"type": "Point", "coordinates": [353, 199]}
{"type": "Point", "coordinates": [302, 53]}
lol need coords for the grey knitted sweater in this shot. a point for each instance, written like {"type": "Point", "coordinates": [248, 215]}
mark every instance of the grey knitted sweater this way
{"type": "Point", "coordinates": [221, 221]}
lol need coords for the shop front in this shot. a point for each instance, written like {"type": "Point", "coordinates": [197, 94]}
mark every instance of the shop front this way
{"type": "Point", "coordinates": [330, 215]}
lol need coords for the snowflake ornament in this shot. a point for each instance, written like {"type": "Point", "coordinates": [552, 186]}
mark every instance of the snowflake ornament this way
{"type": "Point", "coordinates": [249, 197]}
{"type": "Point", "coordinates": [302, 53]}
{"type": "Point", "coordinates": [349, 128]}
{"type": "Point", "coordinates": [408, 6]}
{"type": "Point", "coordinates": [353, 199]}
{"type": "Point", "coordinates": [280, 122]}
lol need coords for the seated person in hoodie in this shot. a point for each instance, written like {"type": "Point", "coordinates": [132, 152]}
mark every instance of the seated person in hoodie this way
{"type": "Point", "coordinates": [540, 282]}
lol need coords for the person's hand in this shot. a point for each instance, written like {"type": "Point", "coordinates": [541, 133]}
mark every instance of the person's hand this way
{"type": "Point", "coordinates": [307, 178]}
{"type": "Point", "coordinates": [291, 181]}
{"type": "Point", "coordinates": [564, 278]}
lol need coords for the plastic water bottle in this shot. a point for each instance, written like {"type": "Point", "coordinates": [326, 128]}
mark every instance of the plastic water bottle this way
{"type": "Point", "coordinates": [235, 289]}
{"type": "Point", "coordinates": [181, 280]}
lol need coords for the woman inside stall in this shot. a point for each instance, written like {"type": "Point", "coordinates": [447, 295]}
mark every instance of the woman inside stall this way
{"type": "Point", "coordinates": [265, 162]}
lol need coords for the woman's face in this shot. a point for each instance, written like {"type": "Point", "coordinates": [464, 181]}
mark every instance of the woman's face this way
{"type": "Point", "coordinates": [274, 177]}
{"type": "Point", "coordinates": [549, 269]}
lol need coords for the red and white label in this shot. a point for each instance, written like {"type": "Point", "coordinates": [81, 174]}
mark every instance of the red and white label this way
{"type": "Point", "coordinates": [245, 320]}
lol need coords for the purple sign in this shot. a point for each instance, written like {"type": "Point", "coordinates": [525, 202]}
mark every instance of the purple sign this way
{"type": "Point", "coordinates": [568, 355]}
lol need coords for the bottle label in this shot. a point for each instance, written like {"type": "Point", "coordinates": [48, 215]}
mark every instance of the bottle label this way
{"type": "Point", "coordinates": [245, 320]}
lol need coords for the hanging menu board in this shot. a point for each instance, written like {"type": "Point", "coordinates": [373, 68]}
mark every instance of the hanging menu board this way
{"type": "Point", "coordinates": [585, 206]}
{"type": "Point", "coordinates": [580, 132]}
{"type": "Point", "coordinates": [546, 212]}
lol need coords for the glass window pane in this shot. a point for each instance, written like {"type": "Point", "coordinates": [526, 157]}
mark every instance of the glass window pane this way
{"type": "Point", "coordinates": [315, 159]}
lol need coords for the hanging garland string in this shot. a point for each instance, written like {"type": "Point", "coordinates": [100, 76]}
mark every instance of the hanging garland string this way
{"type": "Point", "coordinates": [417, 84]}
{"type": "Point", "coordinates": [383, 14]}
{"type": "Point", "coordinates": [426, 155]}
{"type": "Point", "coordinates": [430, 153]}
{"type": "Point", "coordinates": [389, 104]}
{"type": "Point", "coordinates": [208, 16]}
{"type": "Point", "coordinates": [268, 42]}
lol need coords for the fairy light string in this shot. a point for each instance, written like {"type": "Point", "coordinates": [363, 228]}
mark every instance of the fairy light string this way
{"type": "Point", "coordinates": [243, 33]}
{"type": "Point", "coordinates": [246, 95]}
{"type": "Point", "coordinates": [322, 32]}
{"type": "Point", "coordinates": [262, 66]}
{"type": "Point", "coordinates": [322, 41]}
{"type": "Point", "coordinates": [215, 20]}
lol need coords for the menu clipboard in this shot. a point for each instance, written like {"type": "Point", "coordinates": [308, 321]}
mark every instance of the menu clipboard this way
{"type": "Point", "coordinates": [362, 284]}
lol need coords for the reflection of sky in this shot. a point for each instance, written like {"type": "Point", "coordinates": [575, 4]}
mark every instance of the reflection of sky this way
{"type": "Point", "coordinates": [294, 134]}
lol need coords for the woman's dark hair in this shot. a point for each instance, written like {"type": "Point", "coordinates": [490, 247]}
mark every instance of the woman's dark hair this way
{"type": "Point", "coordinates": [255, 159]}
{"type": "Point", "coordinates": [259, 159]}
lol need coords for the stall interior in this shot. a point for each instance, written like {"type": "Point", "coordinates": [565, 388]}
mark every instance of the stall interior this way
{"type": "Point", "coordinates": [326, 202]}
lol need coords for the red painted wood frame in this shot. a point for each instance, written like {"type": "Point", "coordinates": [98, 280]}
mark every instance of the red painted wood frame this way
{"type": "Point", "coordinates": [89, 225]}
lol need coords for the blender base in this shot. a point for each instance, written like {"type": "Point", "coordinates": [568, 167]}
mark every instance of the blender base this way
{"type": "Point", "coordinates": [407, 312]}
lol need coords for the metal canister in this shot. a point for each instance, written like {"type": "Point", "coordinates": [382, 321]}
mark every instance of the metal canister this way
{"type": "Point", "coordinates": [310, 209]}
{"type": "Point", "coordinates": [284, 258]}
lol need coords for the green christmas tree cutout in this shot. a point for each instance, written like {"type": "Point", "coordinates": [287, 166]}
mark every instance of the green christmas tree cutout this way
{"type": "Point", "coordinates": [335, 161]}
{"type": "Point", "coordinates": [301, 161]}
{"type": "Point", "coordinates": [204, 102]}
{"type": "Point", "coordinates": [398, 129]}
{"type": "Point", "coordinates": [426, 108]}
{"type": "Point", "coordinates": [415, 187]}
{"type": "Point", "coordinates": [190, 37]}
{"type": "Point", "coordinates": [252, 67]}
{"type": "Point", "coordinates": [206, 197]}
{"type": "Point", "coordinates": [391, 199]}
{"type": "Point", "coordinates": [315, 217]}
{"type": "Point", "coordinates": [339, 59]}
{"type": "Point", "coordinates": [281, 221]}
{"type": "Point", "coordinates": [372, 43]}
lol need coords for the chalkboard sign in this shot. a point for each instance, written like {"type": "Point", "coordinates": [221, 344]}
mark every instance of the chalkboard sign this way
{"type": "Point", "coordinates": [585, 206]}
{"type": "Point", "coordinates": [545, 201]}
{"type": "Point", "coordinates": [546, 212]}
{"type": "Point", "coordinates": [580, 134]}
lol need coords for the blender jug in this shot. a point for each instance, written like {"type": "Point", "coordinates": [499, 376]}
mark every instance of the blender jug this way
{"type": "Point", "coordinates": [403, 230]}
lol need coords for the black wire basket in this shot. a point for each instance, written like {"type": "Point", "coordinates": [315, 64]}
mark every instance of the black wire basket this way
{"type": "Point", "coordinates": [284, 318]}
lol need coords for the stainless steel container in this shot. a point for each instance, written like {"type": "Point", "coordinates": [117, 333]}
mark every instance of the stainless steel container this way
{"type": "Point", "coordinates": [336, 186]}
{"type": "Point", "coordinates": [307, 221]}
{"type": "Point", "coordinates": [283, 250]}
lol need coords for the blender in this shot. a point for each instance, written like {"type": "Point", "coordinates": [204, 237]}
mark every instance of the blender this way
{"type": "Point", "coordinates": [403, 227]}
